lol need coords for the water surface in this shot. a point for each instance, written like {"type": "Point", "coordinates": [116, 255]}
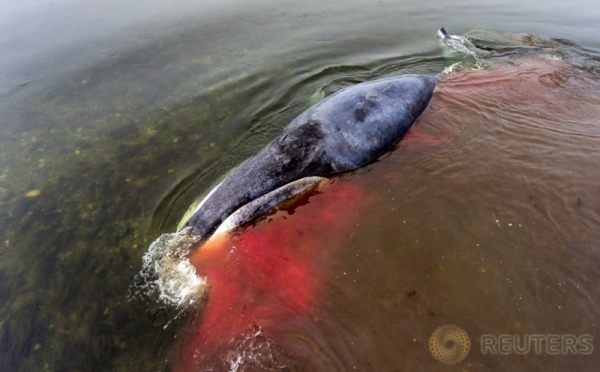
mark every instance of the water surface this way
{"type": "Point", "coordinates": [114, 117]}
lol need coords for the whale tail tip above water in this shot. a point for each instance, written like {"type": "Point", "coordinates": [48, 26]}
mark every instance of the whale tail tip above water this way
{"type": "Point", "coordinates": [460, 44]}
{"type": "Point", "coordinates": [443, 34]}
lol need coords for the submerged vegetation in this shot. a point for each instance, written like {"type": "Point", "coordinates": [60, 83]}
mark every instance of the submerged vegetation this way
{"type": "Point", "coordinates": [83, 166]}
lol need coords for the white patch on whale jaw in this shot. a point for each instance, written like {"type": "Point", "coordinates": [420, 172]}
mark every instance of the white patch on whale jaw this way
{"type": "Point", "coordinates": [260, 206]}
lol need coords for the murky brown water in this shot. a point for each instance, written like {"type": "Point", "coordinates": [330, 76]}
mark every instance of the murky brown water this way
{"type": "Point", "coordinates": [490, 224]}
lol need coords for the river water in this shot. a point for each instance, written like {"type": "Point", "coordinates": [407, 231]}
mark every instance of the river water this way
{"type": "Point", "coordinates": [116, 116]}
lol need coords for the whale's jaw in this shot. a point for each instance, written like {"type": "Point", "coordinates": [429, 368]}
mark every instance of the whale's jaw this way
{"type": "Point", "coordinates": [258, 207]}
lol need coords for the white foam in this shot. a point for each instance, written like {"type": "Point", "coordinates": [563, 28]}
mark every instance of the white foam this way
{"type": "Point", "coordinates": [253, 352]}
{"type": "Point", "coordinates": [167, 270]}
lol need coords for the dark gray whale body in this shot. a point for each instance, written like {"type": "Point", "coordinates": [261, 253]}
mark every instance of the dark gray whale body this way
{"type": "Point", "coordinates": [340, 133]}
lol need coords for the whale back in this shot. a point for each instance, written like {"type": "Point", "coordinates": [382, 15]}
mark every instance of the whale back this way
{"type": "Point", "coordinates": [363, 121]}
{"type": "Point", "coordinates": [342, 132]}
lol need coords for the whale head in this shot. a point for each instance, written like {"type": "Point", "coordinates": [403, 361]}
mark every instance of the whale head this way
{"type": "Point", "coordinates": [343, 132]}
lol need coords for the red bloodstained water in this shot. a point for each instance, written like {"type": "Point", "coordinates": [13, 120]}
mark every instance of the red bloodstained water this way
{"type": "Point", "coordinates": [269, 278]}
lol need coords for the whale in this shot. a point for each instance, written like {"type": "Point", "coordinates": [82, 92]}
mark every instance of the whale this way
{"type": "Point", "coordinates": [343, 132]}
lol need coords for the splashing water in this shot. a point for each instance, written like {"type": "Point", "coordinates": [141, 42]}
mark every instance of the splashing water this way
{"type": "Point", "coordinates": [167, 276]}
{"type": "Point", "coordinates": [463, 46]}
{"type": "Point", "coordinates": [459, 43]}
{"type": "Point", "coordinates": [254, 351]}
